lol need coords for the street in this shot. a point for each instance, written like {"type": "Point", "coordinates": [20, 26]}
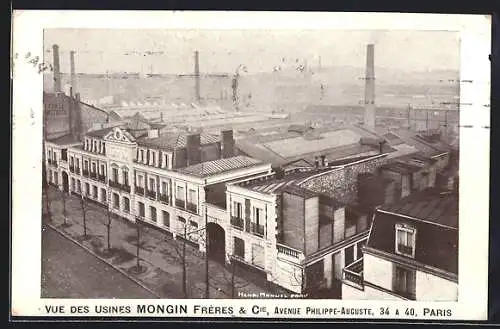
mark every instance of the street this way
{"type": "Point", "coordinates": [69, 271]}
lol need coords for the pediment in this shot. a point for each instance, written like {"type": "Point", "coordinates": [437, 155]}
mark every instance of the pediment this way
{"type": "Point", "coordinates": [119, 135]}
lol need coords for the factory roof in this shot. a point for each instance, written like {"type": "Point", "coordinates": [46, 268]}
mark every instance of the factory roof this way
{"type": "Point", "coordinates": [400, 167]}
{"type": "Point", "coordinates": [67, 139]}
{"type": "Point", "coordinates": [171, 141]}
{"type": "Point", "coordinates": [283, 148]}
{"type": "Point", "coordinates": [215, 167]}
{"type": "Point", "coordinates": [100, 133]}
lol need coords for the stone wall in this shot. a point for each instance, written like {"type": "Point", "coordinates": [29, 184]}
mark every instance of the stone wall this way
{"type": "Point", "coordinates": [341, 184]}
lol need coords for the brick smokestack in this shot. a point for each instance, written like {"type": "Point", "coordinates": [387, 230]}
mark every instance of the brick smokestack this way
{"type": "Point", "coordinates": [197, 75]}
{"type": "Point", "coordinates": [72, 71]}
{"type": "Point", "coordinates": [193, 148]}
{"type": "Point", "coordinates": [57, 70]}
{"type": "Point", "coordinates": [227, 144]}
{"type": "Point", "coordinates": [370, 87]}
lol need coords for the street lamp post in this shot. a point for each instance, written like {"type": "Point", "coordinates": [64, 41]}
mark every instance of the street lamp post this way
{"type": "Point", "coordinates": [84, 215]}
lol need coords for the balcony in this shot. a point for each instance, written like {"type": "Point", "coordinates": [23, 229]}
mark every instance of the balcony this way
{"type": "Point", "coordinates": [77, 170]}
{"type": "Point", "coordinates": [163, 198]}
{"type": "Point", "coordinates": [85, 172]}
{"type": "Point", "coordinates": [123, 187]}
{"type": "Point", "coordinates": [287, 251]}
{"type": "Point", "coordinates": [192, 207]}
{"type": "Point", "coordinates": [180, 203]}
{"type": "Point", "coordinates": [114, 184]}
{"type": "Point", "coordinates": [72, 169]}
{"type": "Point", "coordinates": [151, 194]}
{"type": "Point", "coordinates": [139, 190]}
{"type": "Point", "coordinates": [352, 274]}
{"type": "Point", "coordinates": [257, 229]}
{"type": "Point", "coordinates": [237, 222]}
{"type": "Point", "coordinates": [52, 162]}
{"type": "Point", "coordinates": [101, 178]}
{"type": "Point", "coordinates": [93, 175]}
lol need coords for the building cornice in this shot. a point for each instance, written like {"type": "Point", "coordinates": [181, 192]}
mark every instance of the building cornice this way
{"type": "Point", "coordinates": [411, 263]}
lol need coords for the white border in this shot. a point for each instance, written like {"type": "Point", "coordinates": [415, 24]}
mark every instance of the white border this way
{"type": "Point", "coordinates": [474, 141]}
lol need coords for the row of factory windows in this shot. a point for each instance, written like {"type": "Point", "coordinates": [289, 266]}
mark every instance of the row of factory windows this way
{"type": "Point", "coordinates": [92, 192]}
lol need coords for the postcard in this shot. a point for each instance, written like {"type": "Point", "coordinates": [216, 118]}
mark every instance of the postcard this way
{"type": "Point", "coordinates": [250, 165]}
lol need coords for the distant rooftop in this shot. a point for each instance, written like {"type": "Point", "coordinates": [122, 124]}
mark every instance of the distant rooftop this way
{"type": "Point", "coordinates": [171, 141]}
{"type": "Point", "coordinates": [431, 205]}
{"type": "Point", "coordinates": [215, 167]}
{"type": "Point", "coordinates": [68, 139]}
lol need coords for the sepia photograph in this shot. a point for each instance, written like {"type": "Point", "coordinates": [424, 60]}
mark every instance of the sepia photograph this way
{"type": "Point", "coordinates": [265, 163]}
{"type": "Point", "coordinates": [234, 164]}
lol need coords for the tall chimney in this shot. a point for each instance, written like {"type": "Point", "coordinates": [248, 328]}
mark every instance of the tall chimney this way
{"type": "Point", "coordinates": [197, 75]}
{"type": "Point", "coordinates": [370, 88]}
{"type": "Point", "coordinates": [227, 144]}
{"type": "Point", "coordinates": [72, 71]}
{"type": "Point", "coordinates": [57, 72]}
{"type": "Point", "coordinates": [193, 148]}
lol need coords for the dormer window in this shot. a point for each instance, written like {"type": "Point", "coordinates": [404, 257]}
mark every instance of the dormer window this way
{"type": "Point", "coordinates": [405, 240]}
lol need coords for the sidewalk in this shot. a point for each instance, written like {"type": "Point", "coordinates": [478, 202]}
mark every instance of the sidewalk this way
{"type": "Point", "coordinates": [159, 253]}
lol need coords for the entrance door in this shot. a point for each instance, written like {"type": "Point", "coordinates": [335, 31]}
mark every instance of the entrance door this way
{"type": "Point", "coordinates": [216, 242]}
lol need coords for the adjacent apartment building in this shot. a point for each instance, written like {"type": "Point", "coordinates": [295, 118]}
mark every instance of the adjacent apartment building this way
{"type": "Point", "coordinates": [411, 252]}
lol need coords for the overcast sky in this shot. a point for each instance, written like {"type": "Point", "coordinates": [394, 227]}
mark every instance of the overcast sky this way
{"type": "Point", "coordinates": [101, 50]}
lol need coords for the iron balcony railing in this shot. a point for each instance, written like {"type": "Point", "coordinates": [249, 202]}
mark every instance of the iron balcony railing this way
{"type": "Point", "coordinates": [113, 183]}
{"type": "Point", "coordinates": [287, 251]}
{"type": "Point", "coordinates": [237, 222]}
{"type": "Point", "coordinates": [85, 172]}
{"type": "Point", "coordinates": [163, 198]}
{"type": "Point", "coordinates": [151, 194]}
{"type": "Point", "coordinates": [102, 178]}
{"type": "Point", "coordinates": [72, 169]}
{"type": "Point", "coordinates": [353, 274]}
{"type": "Point", "coordinates": [93, 175]}
{"type": "Point", "coordinates": [257, 229]}
{"type": "Point", "coordinates": [139, 190]}
{"type": "Point", "coordinates": [192, 207]}
{"type": "Point", "coordinates": [180, 203]}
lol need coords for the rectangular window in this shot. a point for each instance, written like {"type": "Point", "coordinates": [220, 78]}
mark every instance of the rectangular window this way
{"type": "Point", "coordinates": [77, 163]}
{"type": "Point", "coordinates": [125, 177]}
{"type": "Point", "coordinates": [79, 186]}
{"type": "Point", "coordinates": [103, 171]}
{"type": "Point", "coordinates": [64, 155]}
{"type": "Point", "coordinates": [192, 196]}
{"type": "Point", "coordinates": [180, 193]}
{"type": "Point", "coordinates": [153, 158]}
{"type": "Point", "coordinates": [239, 247]}
{"type": "Point", "coordinates": [166, 218]}
{"type": "Point", "coordinates": [116, 201]}
{"type": "Point", "coordinates": [152, 211]}
{"type": "Point", "coordinates": [140, 181]}
{"type": "Point", "coordinates": [142, 156]}
{"type": "Point", "coordinates": [258, 255]}
{"type": "Point", "coordinates": [164, 188]}
{"type": "Point", "coordinates": [257, 215]}
{"type": "Point", "coordinates": [56, 178]}
{"type": "Point", "coordinates": [237, 209]}
{"type": "Point", "coordinates": [94, 167]}
{"type": "Point", "coordinates": [115, 174]}
{"type": "Point", "coordinates": [152, 184]}
{"type": "Point", "coordinates": [103, 195]}
{"type": "Point", "coordinates": [71, 161]}
{"type": "Point", "coordinates": [165, 161]}
{"type": "Point", "coordinates": [87, 189]}
{"type": "Point", "coordinates": [73, 184]}
{"type": "Point", "coordinates": [142, 210]}
{"type": "Point", "coordinates": [405, 240]}
{"type": "Point", "coordinates": [126, 204]}
{"type": "Point", "coordinates": [95, 192]}
{"type": "Point", "coordinates": [404, 282]}
{"type": "Point", "coordinates": [86, 165]}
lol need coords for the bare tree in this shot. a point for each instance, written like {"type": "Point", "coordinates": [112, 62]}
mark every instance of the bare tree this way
{"type": "Point", "coordinates": [48, 201]}
{"type": "Point", "coordinates": [84, 206]}
{"type": "Point", "coordinates": [65, 213]}
{"type": "Point", "coordinates": [108, 228]}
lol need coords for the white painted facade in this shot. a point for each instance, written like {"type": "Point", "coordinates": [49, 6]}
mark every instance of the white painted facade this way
{"type": "Point", "coordinates": [378, 277]}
